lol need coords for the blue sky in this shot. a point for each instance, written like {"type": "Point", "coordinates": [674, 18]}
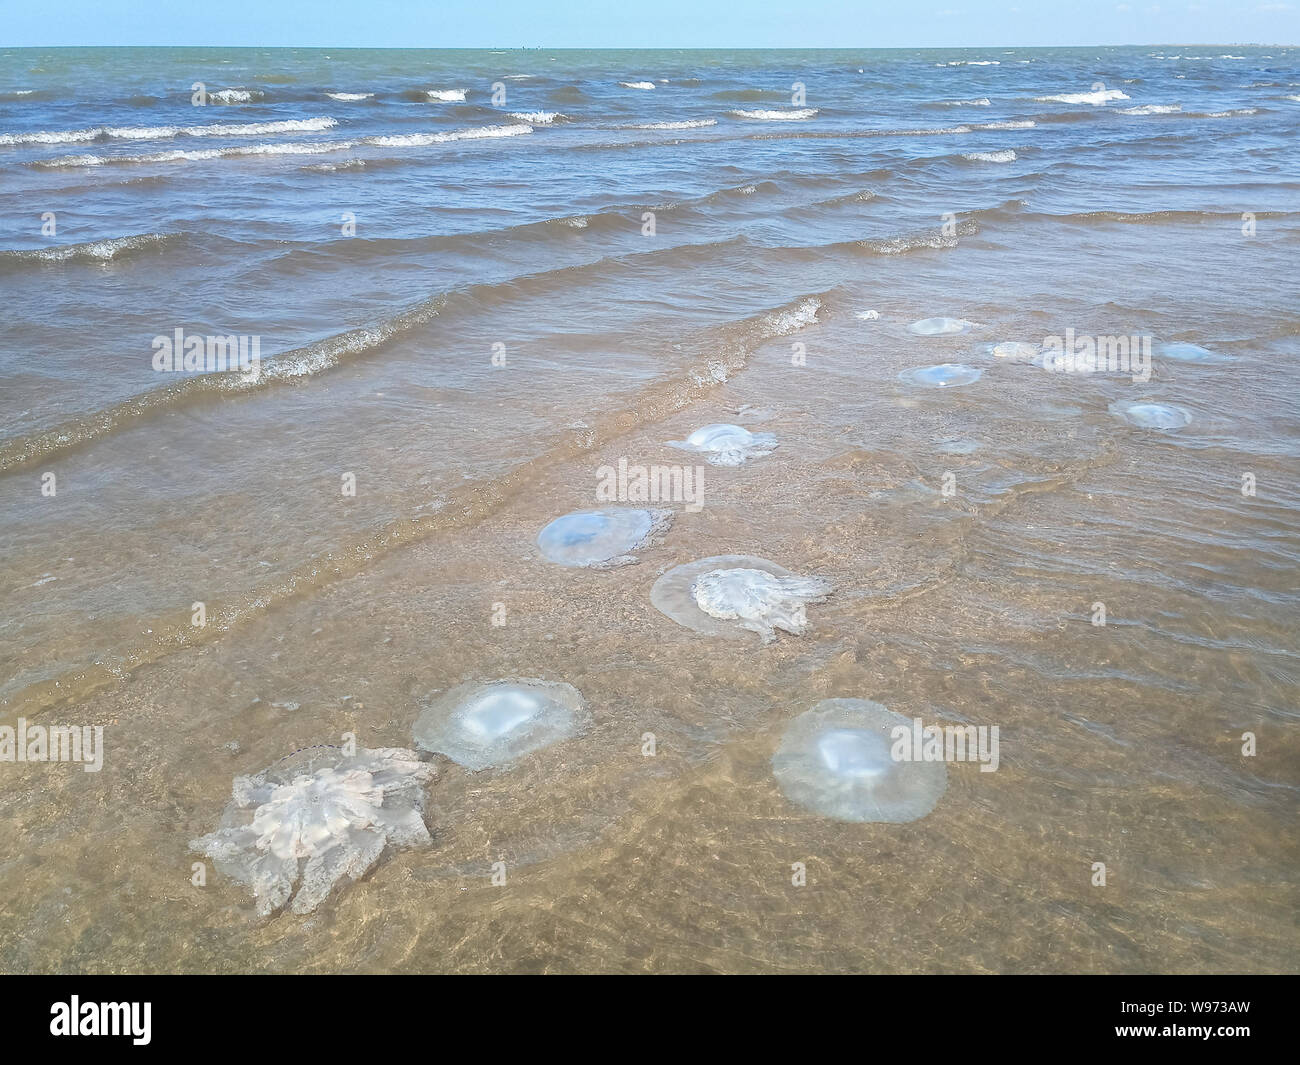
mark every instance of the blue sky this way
{"type": "Point", "coordinates": [660, 24]}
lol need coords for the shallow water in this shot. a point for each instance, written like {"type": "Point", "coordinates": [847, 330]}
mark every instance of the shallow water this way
{"type": "Point", "coordinates": [499, 329]}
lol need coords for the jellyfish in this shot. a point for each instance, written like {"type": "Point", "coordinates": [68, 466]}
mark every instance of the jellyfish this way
{"type": "Point", "coordinates": [729, 595]}
{"type": "Point", "coordinates": [601, 539]}
{"type": "Point", "coordinates": [727, 445]}
{"type": "Point", "coordinates": [868, 316]}
{"type": "Point", "coordinates": [1015, 351]}
{"type": "Point", "coordinates": [837, 759]}
{"type": "Point", "coordinates": [1151, 415]}
{"type": "Point", "coordinates": [937, 327]}
{"type": "Point", "coordinates": [945, 375]}
{"type": "Point", "coordinates": [1189, 353]}
{"type": "Point", "coordinates": [315, 818]}
{"type": "Point", "coordinates": [492, 726]}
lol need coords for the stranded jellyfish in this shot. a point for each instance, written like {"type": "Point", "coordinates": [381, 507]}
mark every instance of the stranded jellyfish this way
{"type": "Point", "coordinates": [1152, 415]}
{"type": "Point", "coordinates": [315, 818]}
{"type": "Point", "coordinates": [938, 327]}
{"type": "Point", "coordinates": [729, 595]}
{"type": "Point", "coordinates": [945, 375]}
{"type": "Point", "coordinates": [601, 538]}
{"type": "Point", "coordinates": [727, 445]}
{"type": "Point", "coordinates": [1015, 351]}
{"type": "Point", "coordinates": [1189, 353]}
{"type": "Point", "coordinates": [491, 726]}
{"type": "Point", "coordinates": [837, 760]}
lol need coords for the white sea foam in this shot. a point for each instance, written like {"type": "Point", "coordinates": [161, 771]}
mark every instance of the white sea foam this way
{"type": "Point", "coordinates": [1096, 98]}
{"type": "Point", "coordinates": [348, 97]}
{"type": "Point", "coordinates": [234, 96]}
{"type": "Point", "coordinates": [178, 155]}
{"type": "Point", "coordinates": [416, 140]}
{"type": "Point", "coordinates": [795, 115]}
{"type": "Point", "coordinates": [693, 123]}
{"type": "Point", "coordinates": [1024, 123]}
{"type": "Point", "coordinates": [1151, 109]}
{"type": "Point", "coordinates": [537, 118]}
{"type": "Point", "coordinates": [154, 133]}
{"type": "Point", "coordinates": [446, 96]}
{"type": "Point", "coordinates": [637, 84]}
{"type": "Point", "coordinates": [971, 63]}
{"type": "Point", "coordinates": [983, 101]}
{"type": "Point", "coordinates": [1004, 156]}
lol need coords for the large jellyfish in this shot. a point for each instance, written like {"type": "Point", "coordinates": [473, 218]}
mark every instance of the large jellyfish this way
{"type": "Point", "coordinates": [601, 538]}
{"type": "Point", "coordinates": [1181, 352]}
{"type": "Point", "coordinates": [491, 726]}
{"type": "Point", "coordinates": [729, 595]}
{"type": "Point", "coordinates": [727, 445]}
{"type": "Point", "coordinates": [938, 327]}
{"type": "Point", "coordinates": [1151, 415]}
{"type": "Point", "coordinates": [945, 375]}
{"type": "Point", "coordinates": [317, 817]}
{"type": "Point", "coordinates": [837, 759]}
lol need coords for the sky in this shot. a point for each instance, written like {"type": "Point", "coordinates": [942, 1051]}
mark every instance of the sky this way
{"type": "Point", "coordinates": [661, 24]}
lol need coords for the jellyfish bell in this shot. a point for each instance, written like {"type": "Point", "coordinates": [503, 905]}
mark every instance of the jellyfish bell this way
{"type": "Point", "coordinates": [1015, 351]}
{"type": "Point", "coordinates": [732, 595]}
{"type": "Point", "coordinates": [1147, 415]}
{"type": "Point", "coordinates": [492, 726]}
{"type": "Point", "coordinates": [1183, 352]}
{"type": "Point", "coordinates": [601, 539]}
{"type": "Point", "coordinates": [837, 759]}
{"type": "Point", "coordinates": [945, 375]}
{"type": "Point", "coordinates": [317, 818]}
{"type": "Point", "coordinates": [727, 445]}
{"type": "Point", "coordinates": [938, 327]}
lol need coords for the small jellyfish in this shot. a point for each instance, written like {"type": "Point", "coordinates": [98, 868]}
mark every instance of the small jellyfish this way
{"type": "Point", "coordinates": [1189, 353]}
{"type": "Point", "coordinates": [318, 817]}
{"type": "Point", "coordinates": [1015, 351]}
{"type": "Point", "coordinates": [729, 595]}
{"type": "Point", "coordinates": [727, 445]}
{"type": "Point", "coordinates": [492, 726]}
{"type": "Point", "coordinates": [837, 759]}
{"type": "Point", "coordinates": [601, 539]}
{"type": "Point", "coordinates": [868, 316]}
{"type": "Point", "coordinates": [1151, 415]}
{"type": "Point", "coordinates": [945, 375]}
{"type": "Point", "coordinates": [938, 327]}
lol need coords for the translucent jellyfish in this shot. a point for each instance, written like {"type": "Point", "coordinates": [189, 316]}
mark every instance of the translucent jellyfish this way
{"type": "Point", "coordinates": [315, 818]}
{"type": "Point", "coordinates": [494, 725]}
{"type": "Point", "coordinates": [727, 445]}
{"type": "Point", "coordinates": [945, 375]}
{"type": "Point", "coordinates": [1189, 353]}
{"type": "Point", "coordinates": [938, 327]}
{"type": "Point", "coordinates": [1015, 351]}
{"type": "Point", "coordinates": [601, 538]}
{"type": "Point", "coordinates": [729, 595]}
{"type": "Point", "coordinates": [837, 760]}
{"type": "Point", "coordinates": [868, 316]}
{"type": "Point", "coordinates": [1151, 415]}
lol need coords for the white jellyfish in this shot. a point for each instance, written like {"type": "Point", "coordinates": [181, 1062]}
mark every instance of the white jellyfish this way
{"type": "Point", "coordinates": [492, 726]}
{"type": "Point", "coordinates": [1015, 351]}
{"type": "Point", "coordinates": [868, 316]}
{"type": "Point", "coordinates": [318, 817]}
{"type": "Point", "coordinates": [601, 539]}
{"type": "Point", "coordinates": [837, 759]}
{"type": "Point", "coordinates": [729, 595]}
{"type": "Point", "coordinates": [945, 375]}
{"type": "Point", "coordinates": [1151, 415]}
{"type": "Point", "coordinates": [937, 327]}
{"type": "Point", "coordinates": [1181, 352]}
{"type": "Point", "coordinates": [727, 445]}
